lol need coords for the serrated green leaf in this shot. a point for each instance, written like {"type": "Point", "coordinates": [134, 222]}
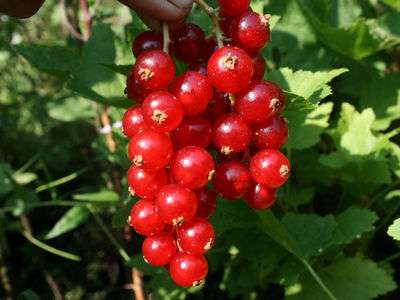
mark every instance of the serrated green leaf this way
{"type": "Point", "coordinates": [74, 217]}
{"type": "Point", "coordinates": [352, 223]}
{"type": "Point", "coordinates": [102, 196]}
{"type": "Point", "coordinates": [394, 230]}
{"type": "Point", "coordinates": [71, 109]}
{"type": "Point", "coordinates": [301, 95]}
{"type": "Point", "coordinates": [120, 69]}
{"type": "Point", "coordinates": [348, 279]}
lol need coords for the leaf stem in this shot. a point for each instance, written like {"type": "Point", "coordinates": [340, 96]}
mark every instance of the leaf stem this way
{"type": "Point", "coordinates": [59, 181]}
{"type": "Point", "coordinates": [166, 38]}
{"type": "Point", "coordinates": [214, 18]}
{"type": "Point", "coordinates": [389, 258]}
{"type": "Point", "coordinates": [318, 279]}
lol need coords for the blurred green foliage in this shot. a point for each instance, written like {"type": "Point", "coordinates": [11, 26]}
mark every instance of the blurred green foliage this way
{"type": "Point", "coordinates": [334, 233]}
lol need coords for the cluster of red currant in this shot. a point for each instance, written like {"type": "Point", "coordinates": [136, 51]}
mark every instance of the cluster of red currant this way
{"type": "Point", "coordinates": [220, 104]}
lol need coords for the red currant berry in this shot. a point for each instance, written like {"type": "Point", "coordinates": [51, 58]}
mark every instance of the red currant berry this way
{"type": "Point", "coordinates": [194, 131]}
{"type": "Point", "coordinates": [176, 204]}
{"type": "Point", "coordinates": [200, 67]}
{"type": "Point", "coordinates": [134, 90]}
{"type": "Point", "coordinates": [159, 250]}
{"type": "Point", "coordinates": [234, 7]}
{"type": "Point", "coordinates": [132, 122]}
{"type": "Point", "coordinates": [188, 270]}
{"type": "Point", "coordinates": [150, 150]}
{"type": "Point", "coordinates": [259, 66]}
{"type": "Point", "coordinates": [219, 105]}
{"type": "Point", "coordinates": [147, 40]}
{"type": "Point", "coordinates": [162, 111]}
{"type": "Point", "coordinates": [195, 236]}
{"type": "Point", "coordinates": [231, 179]}
{"type": "Point", "coordinates": [225, 24]}
{"type": "Point", "coordinates": [154, 70]}
{"type": "Point", "coordinates": [250, 31]}
{"type": "Point", "coordinates": [194, 91]}
{"type": "Point", "coordinates": [272, 134]}
{"type": "Point", "coordinates": [188, 43]}
{"type": "Point", "coordinates": [209, 47]}
{"type": "Point", "coordinates": [145, 219]}
{"type": "Point", "coordinates": [146, 183]}
{"type": "Point", "coordinates": [259, 196]}
{"type": "Point", "coordinates": [231, 133]}
{"type": "Point", "coordinates": [270, 168]}
{"type": "Point", "coordinates": [260, 101]}
{"type": "Point", "coordinates": [192, 167]}
{"type": "Point", "coordinates": [230, 69]}
{"type": "Point", "coordinates": [207, 202]}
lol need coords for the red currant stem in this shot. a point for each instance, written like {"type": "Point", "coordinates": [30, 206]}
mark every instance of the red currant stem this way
{"type": "Point", "coordinates": [137, 284]}
{"type": "Point", "coordinates": [214, 18]}
{"type": "Point", "coordinates": [67, 23]}
{"type": "Point", "coordinates": [87, 18]}
{"type": "Point", "coordinates": [166, 39]}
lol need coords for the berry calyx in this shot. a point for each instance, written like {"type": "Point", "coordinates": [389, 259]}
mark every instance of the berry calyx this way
{"type": "Point", "coordinates": [259, 196]}
{"type": "Point", "coordinates": [188, 270]}
{"type": "Point", "coordinates": [176, 204]}
{"type": "Point", "coordinates": [272, 134]}
{"type": "Point", "coordinates": [132, 122]}
{"type": "Point", "coordinates": [192, 167]}
{"type": "Point", "coordinates": [270, 168]}
{"type": "Point", "coordinates": [188, 43]}
{"type": "Point", "coordinates": [194, 91]}
{"type": "Point", "coordinates": [195, 236]}
{"type": "Point", "coordinates": [230, 69]}
{"type": "Point", "coordinates": [147, 40]}
{"type": "Point", "coordinates": [231, 179]}
{"type": "Point", "coordinates": [159, 250]}
{"type": "Point", "coordinates": [194, 131]}
{"type": "Point", "coordinates": [231, 134]}
{"type": "Point", "coordinates": [146, 183]}
{"type": "Point", "coordinates": [154, 70]}
{"type": "Point", "coordinates": [150, 150]}
{"type": "Point", "coordinates": [145, 218]}
{"type": "Point", "coordinates": [260, 101]}
{"type": "Point", "coordinates": [207, 202]}
{"type": "Point", "coordinates": [162, 111]}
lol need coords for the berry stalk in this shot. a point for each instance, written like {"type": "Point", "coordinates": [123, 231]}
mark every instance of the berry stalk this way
{"type": "Point", "coordinates": [214, 18]}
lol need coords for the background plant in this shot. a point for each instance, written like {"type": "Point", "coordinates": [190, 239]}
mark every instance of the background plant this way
{"type": "Point", "coordinates": [65, 201]}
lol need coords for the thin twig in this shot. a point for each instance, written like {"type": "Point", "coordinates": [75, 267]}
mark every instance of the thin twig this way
{"type": "Point", "coordinates": [5, 280]}
{"type": "Point", "coordinates": [137, 284]}
{"type": "Point", "coordinates": [214, 18]}
{"type": "Point", "coordinates": [67, 24]}
{"type": "Point", "coordinates": [53, 286]}
{"type": "Point", "coordinates": [87, 18]}
{"type": "Point", "coordinates": [166, 38]}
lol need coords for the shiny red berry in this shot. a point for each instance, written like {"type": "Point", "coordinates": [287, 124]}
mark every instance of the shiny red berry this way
{"type": "Point", "coordinates": [134, 90]}
{"type": "Point", "coordinates": [194, 91]}
{"type": "Point", "coordinates": [196, 236]}
{"type": "Point", "coordinates": [154, 70]}
{"type": "Point", "coordinates": [194, 131]}
{"type": "Point", "coordinates": [150, 150]}
{"type": "Point", "coordinates": [234, 7]}
{"type": "Point", "coordinates": [188, 270]}
{"type": "Point", "coordinates": [259, 196]}
{"type": "Point", "coordinates": [132, 121]}
{"type": "Point", "coordinates": [188, 43]}
{"type": "Point", "coordinates": [146, 183]}
{"type": "Point", "coordinates": [250, 31]}
{"type": "Point", "coordinates": [260, 101]}
{"type": "Point", "coordinates": [219, 105]}
{"type": "Point", "coordinates": [231, 133]}
{"type": "Point", "coordinates": [192, 167]}
{"type": "Point", "coordinates": [176, 204]}
{"type": "Point", "coordinates": [270, 168]}
{"type": "Point", "coordinates": [207, 202]}
{"type": "Point", "coordinates": [231, 179]}
{"type": "Point", "coordinates": [230, 69]}
{"type": "Point", "coordinates": [225, 24]}
{"type": "Point", "coordinates": [162, 111]}
{"type": "Point", "coordinates": [159, 250]}
{"type": "Point", "coordinates": [145, 219]}
{"type": "Point", "coordinates": [147, 40]}
{"type": "Point", "coordinates": [272, 134]}
{"type": "Point", "coordinates": [259, 67]}
{"type": "Point", "coordinates": [209, 47]}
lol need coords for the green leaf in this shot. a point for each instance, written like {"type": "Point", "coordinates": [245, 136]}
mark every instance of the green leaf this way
{"type": "Point", "coordinates": [300, 95]}
{"type": "Point", "coordinates": [74, 217]}
{"type": "Point", "coordinates": [305, 128]}
{"type": "Point", "coordinates": [310, 233]}
{"type": "Point", "coordinates": [71, 109]}
{"type": "Point", "coordinates": [24, 178]}
{"type": "Point", "coordinates": [352, 223]}
{"type": "Point", "coordinates": [299, 195]}
{"type": "Point", "coordinates": [6, 185]}
{"type": "Point", "coordinates": [102, 196]}
{"type": "Point", "coordinates": [394, 230]}
{"type": "Point", "coordinates": [120, 69]}
{"type": "Point", "coordinates": [348, 279]}
{"type": "Point", "coordinates": [28, 295]}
